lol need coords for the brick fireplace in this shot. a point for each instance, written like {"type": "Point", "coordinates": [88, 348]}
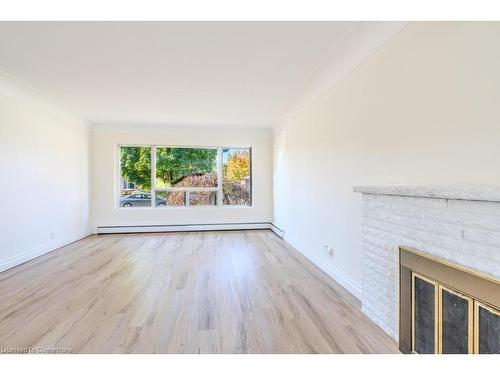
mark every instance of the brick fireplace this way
{"type": "Point", "coordinates": [459, 225]}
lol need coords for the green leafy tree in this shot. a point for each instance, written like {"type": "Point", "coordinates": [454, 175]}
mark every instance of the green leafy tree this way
{"type": "Point", "coordinates": [172, 164]}
{"type": "Point", "coordinates": [135, 165]}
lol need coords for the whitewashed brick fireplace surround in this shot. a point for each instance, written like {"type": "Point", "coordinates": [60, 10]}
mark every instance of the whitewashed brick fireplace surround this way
{"type": "Point", "coordinates": [461, 225]}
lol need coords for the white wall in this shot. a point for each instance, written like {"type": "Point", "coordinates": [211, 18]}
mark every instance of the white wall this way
{"type": "Point", "coordinates": [104, 143]}
{"type": "Point", "coordinates": [423, 110]}
{"type": "Point", "coordinates": [44, 184]}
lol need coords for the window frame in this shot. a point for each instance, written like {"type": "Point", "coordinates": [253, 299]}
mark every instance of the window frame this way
{"type": "Point", "coordinates": [250, 173]}
{"type": "Point", "coordinates": [218, 189]}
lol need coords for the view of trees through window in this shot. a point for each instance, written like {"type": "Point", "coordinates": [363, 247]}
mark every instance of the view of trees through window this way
{"type": "Point", "coordinates": [173, 165]}
{"type": "Point", "coordinates": [184, 176]}
{"type": "Point", "coordinates": [135, 182]}
{"type": "Point", "coordinates": [236, 176]}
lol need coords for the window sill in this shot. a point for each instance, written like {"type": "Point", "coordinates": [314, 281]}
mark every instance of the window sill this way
{"type": "Point", "coordinates": [179, 208]}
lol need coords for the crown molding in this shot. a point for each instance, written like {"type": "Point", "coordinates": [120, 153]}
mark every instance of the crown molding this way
{"type": "Point", "coordinates": [364, 40]}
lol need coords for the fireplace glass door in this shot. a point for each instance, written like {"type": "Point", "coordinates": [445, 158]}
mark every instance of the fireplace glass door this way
{"type": "Point", "coordinates": [487, 329]}
{"type": "Point", "coordinates": [447, 321]}
{"type": "Point", "coordinates": [425, 308]}
{"type": "Point", "coordinates": [455, 322]}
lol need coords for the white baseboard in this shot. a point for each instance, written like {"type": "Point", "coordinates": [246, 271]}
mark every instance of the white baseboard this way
{"type": "Point", "coordinates": [181, 228]}
{"type": "Point", "coordinates": [343, 280]}
{"type": "Point", "coordinates": [277, 231]}
{"type": "Point", "coordinates": [338, 276]}
{"type": "Point", "coordinates": [42, 250]}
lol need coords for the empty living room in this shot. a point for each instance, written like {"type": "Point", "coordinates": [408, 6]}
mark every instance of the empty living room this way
{"type": "Point", "coordinates": [221, 185]}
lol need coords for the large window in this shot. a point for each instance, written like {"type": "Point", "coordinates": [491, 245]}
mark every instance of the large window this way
{"type": "Point", "coordinates": [154, 176]}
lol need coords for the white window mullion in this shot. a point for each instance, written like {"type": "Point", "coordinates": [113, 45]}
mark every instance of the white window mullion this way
{"type": "Point", "coordinates": [187, 189]}
{"type": "Point", "coordinates": [219, 177]}
{"type": "Point", "coordinates": [153, 176]}
{"type": "Point", "coordinates": [118, 188]}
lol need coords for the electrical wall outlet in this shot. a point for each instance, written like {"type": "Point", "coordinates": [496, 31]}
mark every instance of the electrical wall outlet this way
{"type": "Point", "coordinates": [329, 251]}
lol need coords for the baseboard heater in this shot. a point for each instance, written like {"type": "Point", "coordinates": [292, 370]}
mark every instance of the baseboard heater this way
{"type": "Point", "coordinates": [188, 228]}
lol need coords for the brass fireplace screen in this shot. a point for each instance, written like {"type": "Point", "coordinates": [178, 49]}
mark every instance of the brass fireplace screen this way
{"type": "Point", "coordinates": [445, 308]}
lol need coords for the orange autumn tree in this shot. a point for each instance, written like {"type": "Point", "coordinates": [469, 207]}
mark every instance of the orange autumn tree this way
{"type": "Point", "coordinates": [238, 166]}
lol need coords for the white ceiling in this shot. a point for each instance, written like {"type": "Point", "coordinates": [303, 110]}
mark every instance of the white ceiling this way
{"type": "Point", "coordinates": [197, 73]}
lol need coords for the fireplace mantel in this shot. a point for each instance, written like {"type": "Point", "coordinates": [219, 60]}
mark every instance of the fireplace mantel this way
{"type": "Point", "coordinates": [490, 194]}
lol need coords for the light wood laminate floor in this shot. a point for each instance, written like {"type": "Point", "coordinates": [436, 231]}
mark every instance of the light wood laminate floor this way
{"type": "Point", "coordinates": [206, 292]}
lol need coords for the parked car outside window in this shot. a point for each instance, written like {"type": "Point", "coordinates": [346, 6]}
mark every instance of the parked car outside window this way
{"type": "Point", "coordinates": [139, 200]}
